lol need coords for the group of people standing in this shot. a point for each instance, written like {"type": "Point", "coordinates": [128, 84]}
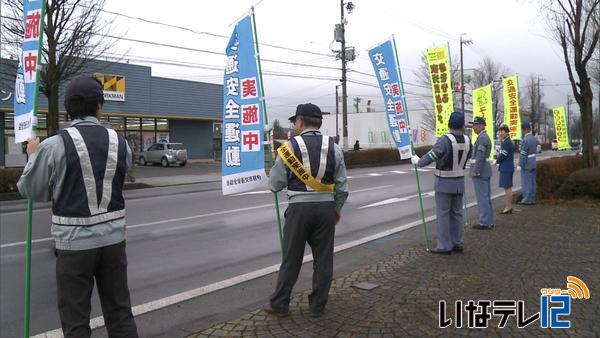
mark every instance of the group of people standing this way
{"type": "Point", "coordinates": [451, 153]}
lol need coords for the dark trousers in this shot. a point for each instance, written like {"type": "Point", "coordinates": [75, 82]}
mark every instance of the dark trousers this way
{"type": "Point", "coordinates": [313, 223]}
{"type": "Point", "coordinates": [75, 274]}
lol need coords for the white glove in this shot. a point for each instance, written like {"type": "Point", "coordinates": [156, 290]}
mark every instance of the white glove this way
{"type": "Point", "coordinates": [518, 168]}
{"type": "Point", "coordinates": [414, 159]}
{"type": "Point", "coordinates": [494, 162]}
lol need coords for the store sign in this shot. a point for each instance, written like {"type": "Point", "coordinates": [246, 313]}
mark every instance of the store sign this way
{"type": "Point", "coordinates": [113, 85]}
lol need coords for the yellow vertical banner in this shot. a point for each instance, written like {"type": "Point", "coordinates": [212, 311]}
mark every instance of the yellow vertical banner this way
{"type": "Point", "coordinates": [482, 106]}
{"type": "Point", "coordinates": [512, 116]}
{"type": "Point", "coordinates": [438, 60]}
{"type": "Point", "coordinates": [560, 128]}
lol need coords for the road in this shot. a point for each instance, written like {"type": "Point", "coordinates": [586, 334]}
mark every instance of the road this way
{"type": "Point", "coordinates": [184, 237]}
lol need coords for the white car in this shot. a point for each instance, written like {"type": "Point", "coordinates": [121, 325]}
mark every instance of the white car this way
{"type": "Point", "coordinates": [165, 154]}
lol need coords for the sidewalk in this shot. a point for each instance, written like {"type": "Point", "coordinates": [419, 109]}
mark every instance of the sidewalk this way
{"type": "Point", "coordinates": [535, 248]}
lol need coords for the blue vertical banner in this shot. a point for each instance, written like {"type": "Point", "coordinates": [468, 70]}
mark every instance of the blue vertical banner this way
{"type": "Point", "coordinates": [243, 154]}
{"type": "Point", "coordinates": [387, 72]}
{"type": "Point", "coordinates": [26, 83]}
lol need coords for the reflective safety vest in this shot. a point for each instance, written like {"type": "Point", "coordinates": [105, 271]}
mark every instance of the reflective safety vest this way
{"type": "Point", "coordinates": [92, 190]}
{"type": "Point", "coordinates": [317, 154]}
{"type": "Point", "coordinates": [453, 164]}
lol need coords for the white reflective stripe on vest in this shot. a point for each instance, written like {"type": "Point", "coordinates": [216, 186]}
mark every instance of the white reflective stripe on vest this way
{"type": "Point", "coordinates": [84, 221]}
{"type": "Point", "coordinates": [86, 169]}
{"type": "Point", "coordinates": [304, 157]}
{"type": "Point", "coordinates": [111, 169]}
{"type": "Point", "coordinates": [323, 162]}
{"type": "Point", "coordinates": [457, 164]}
{"type": "Point", "coordinates": [88, 175]}
{"type": "Point", "coordinates": [531, 155]}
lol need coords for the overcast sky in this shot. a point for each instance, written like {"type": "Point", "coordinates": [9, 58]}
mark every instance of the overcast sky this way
{"type": "Point", "coordinates": [511, 32]}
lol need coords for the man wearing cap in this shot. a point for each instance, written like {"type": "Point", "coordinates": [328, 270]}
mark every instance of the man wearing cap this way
{"type": "Point", "coordinates": [528, 165]}
{"type": "Point", "coordinates": [82, 170]}
{"type": "Point", "coordinates": [312, 168]}
{"type": "Point", "coordinates": [481, 173]}
{"type": "Point", "coordinates": [450, 153]}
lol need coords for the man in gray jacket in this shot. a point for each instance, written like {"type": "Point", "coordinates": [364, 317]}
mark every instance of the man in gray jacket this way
{"type": "Point", "coordinates": [481, 173]}
{"type": "Point", "coordinates": [450, 154]}
{"type": "Point", "coordinates": [83, 170]}
{"type": "Point", "coordinates": [312, 168]}
{"type": "Point", "coordinates": [528, 165]}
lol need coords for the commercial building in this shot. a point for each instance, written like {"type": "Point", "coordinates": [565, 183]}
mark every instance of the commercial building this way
{"type": "Point", "coordinates": [145, 108]}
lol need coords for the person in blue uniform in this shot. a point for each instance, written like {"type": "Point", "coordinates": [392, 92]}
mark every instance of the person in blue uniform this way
{"type": "Point", "coordinates": [506, 166]}
{"type": "Point", "coordinates": [450, 154]}
{"type": "Point", "coordinates": [527, 162]}
{"type": "Point", "coordinates": [481, 173]}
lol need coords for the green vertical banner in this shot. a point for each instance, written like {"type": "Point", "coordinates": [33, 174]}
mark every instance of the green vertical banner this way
{"type": "Point", "coordinates": [512, 117]}
{"type": "Point", "coordinates": [25, 110]}
{"type": "Point", "coordinates": [560, 128]}
{"type": "Point", "coordinates": [438, 60]}
{"type": "Point", "coordinates": [482, 106]}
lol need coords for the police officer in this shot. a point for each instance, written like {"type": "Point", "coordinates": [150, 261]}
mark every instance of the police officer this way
{"type": "Point", "coordinates": [528, 165]}
{"type": "Point", "coordinates": [82, 170]}
{"type": "Point", "coordinates": [450, 153]}
{"type": "Point", "coordinates": [312, 168]}
{"type": "Point", "coordinates": [481, 173]}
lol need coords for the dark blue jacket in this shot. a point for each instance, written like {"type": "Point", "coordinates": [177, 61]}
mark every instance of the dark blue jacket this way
{"type": "Point", "coordinates": [506, 158]}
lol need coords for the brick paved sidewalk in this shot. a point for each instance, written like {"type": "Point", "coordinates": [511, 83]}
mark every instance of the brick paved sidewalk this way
{"type": "Point", "coordinates": [532, 249]}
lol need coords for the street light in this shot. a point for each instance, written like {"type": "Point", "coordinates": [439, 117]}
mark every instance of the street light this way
{"type": "Point", "coordinates": [340, 36]}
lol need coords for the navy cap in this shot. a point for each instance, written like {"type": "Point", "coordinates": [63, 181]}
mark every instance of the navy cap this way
{"type": "Point", "coordinates": [307, 110]}
{"type": "Point", "coordinates": [504, 127]}
{"type": "Point", "coordinates": [457, 119]}
{"type": "Point", "coordinates": [478, 120]}
{"type": "Point", "coordinates": [525, 125]}
{"type": "Point", "coordinates": [83, 88]}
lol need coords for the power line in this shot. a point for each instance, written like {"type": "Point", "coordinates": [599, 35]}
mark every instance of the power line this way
{"type": "Point", "coordinates": [210, 34]}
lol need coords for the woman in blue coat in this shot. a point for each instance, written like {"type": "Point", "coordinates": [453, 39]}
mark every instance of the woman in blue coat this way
{"type": "Point", "coordinates": [506, 162]}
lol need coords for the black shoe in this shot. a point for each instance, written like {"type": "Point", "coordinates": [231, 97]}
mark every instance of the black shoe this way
{"type": "Point", "coordinates": [270, 310]}
{"type": "Point", "coordinates": [506, 212]}
{"type": "Point", "coordinates": [481, 227]}
{"type": "Point", "coordinates": [317, 314]}
{"type": "Point", "coordinates": [458, 249]}
{"type": "Point", "coordinates": [441, 252]}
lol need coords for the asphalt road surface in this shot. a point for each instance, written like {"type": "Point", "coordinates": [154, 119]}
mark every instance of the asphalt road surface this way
{"type": "Point", "coordinates": [183, 237]}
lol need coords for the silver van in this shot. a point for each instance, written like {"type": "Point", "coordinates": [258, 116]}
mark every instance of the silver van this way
{"type": "Point", "coordinates": [165, 154]}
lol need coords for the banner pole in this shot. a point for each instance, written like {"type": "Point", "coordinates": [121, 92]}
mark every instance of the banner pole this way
{"type": "Point", "coordinates": [266, 116]}
{"type": "Point", "coordinates": [30, 201]}
{"type": "Point", "coordinates": [412, 146]}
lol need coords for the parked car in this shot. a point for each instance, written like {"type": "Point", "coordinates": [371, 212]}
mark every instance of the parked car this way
{"type": "Point", "coordinates": [165, 154]}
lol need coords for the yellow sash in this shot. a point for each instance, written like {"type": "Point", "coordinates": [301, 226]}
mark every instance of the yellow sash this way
{"type": "Point", "coordinates": [291, 161]}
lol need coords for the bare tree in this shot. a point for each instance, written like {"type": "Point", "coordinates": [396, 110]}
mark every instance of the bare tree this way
{"type": "Point", "coordinates": [573, 23]}
{"type": "Point", "coordinates": [429, 118]}
{"type": "Point", "coordinates": [534, 96]}
{"type": "Point", "coordinates": [489, 71]}
{"type": "Point", "coordinates": [76, 35]}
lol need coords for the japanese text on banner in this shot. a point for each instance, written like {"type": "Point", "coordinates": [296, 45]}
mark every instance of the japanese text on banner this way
{"type": "Point", "coordinates": [243, 127]}
{"type": "Point", "coordinates": [512, 117]}
{"type": "Point", "coordinates": [482, 106]}
{"type": "Point", "coordinates": [28, 71]}
{"type": "Point", "coordinates": [438, 61]}
{"type": "Point", "coordinates": [387, 71]}
{"type": "Point", "coordinates": [560, 127]}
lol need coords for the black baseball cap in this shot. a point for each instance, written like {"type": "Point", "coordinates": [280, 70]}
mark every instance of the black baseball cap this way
{"type": "Point", "coordinates": [478, 120]}
{"type": "Point", "coordinates": [83, 88]}
{"type": "Point", "coordinates": [307, 110]}
{"type": "Point", "coordinates": [504, 127]}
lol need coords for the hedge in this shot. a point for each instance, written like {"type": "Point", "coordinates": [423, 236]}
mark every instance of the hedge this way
{"type": "Point", "coordinates": [552, 174]}
{"type": "Point", "coordinates": [378, 156]}
{"type": "Point", "coordinates": [581, 183]}
{"type": "Point", "coordinates": [9, 178]}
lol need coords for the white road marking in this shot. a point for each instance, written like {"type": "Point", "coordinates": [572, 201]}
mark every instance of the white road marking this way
{"type": "Point", "coordinates": [398, 199]}
{"type": "Point", "coordinates": [398, 172]}
{"type": "Point", "coordinates": [187, 295]}
{"type": "Point", "coordinates": [374, 174]}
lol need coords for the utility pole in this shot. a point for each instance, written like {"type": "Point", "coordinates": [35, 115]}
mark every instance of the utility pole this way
{"type": "Point", "coordinates": [337, 111]}
{"type": "Point", "coordinates": [569, 117]}
{"type": "Point", "coordinates": [462, 75]}
{"type": "Point", "coordinates": [344, 93]}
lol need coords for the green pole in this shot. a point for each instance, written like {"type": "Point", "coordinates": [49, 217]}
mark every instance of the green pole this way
{"type": "Point", "coordinates": [30, 201]}
{"type": "Point", "coordinates": [412, 146]}
{"type": "Point", "coordinates": [266, 116]}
